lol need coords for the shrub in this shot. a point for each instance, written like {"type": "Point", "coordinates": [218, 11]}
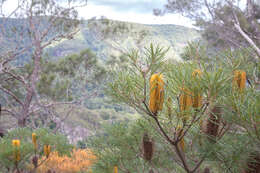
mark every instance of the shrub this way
{"type": "Point", "coordinates": [78, 161]}
{"type": "Point", "coordinates": [19, 147]}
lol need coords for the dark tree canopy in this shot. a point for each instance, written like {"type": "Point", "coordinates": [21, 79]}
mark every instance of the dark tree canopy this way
{"type": "Point", "coordinates": [224, 23]}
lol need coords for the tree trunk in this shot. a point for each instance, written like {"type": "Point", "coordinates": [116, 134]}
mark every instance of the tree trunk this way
{"type": "Point", "coordinates": [21, 122]}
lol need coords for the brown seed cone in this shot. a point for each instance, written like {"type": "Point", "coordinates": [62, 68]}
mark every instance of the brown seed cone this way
{"type": "Point", "coordinates": [206, 170]}
{"type": "Point", "coordinates": [2, 132]}
{"type": "Point", "coordinates": [151, 171]}
{"type": "Point", "coordinates": [210, 126]}
{"type": "Point", "coordinates": [35, 161]}
{"type": "Point", "coordinates": [253, 164]}
{"type": "Point", "coordinates": [148, 148]}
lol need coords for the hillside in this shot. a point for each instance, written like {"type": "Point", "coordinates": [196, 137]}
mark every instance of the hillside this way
{"type": "Point", "coordinates": [172, 36]}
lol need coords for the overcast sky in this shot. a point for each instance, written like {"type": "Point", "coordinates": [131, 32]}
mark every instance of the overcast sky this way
{"type": "Point", "coordinates": [140, 11]}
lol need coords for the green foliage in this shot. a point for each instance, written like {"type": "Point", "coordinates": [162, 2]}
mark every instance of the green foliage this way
{"type": "Point", "coordinates": [237, 125]}
{"type": "Point", "coordinates": [121, 145]}
{"type": "Point", "coordinates": [57, 142]}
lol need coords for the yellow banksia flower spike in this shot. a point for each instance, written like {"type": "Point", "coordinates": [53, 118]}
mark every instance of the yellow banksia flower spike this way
{"type": "Point", "coordinates": [197, 100]}
{"type": "Point", "coordinates": [47, 150]}
{"type": "Point", "coordinates": [185, 102]}
{"type": "Point", "coordinates": [156, 93]}
{"type": "Point", "coordinates": [161, 91]}
{"type": "Point", "coordinates": [239, 80]}
{"type": "Point", "coordinates": [34, 140]}
{"type": "Point", "coordinates": [16, 146]}
{"type": "Point", "coordinates": [115, 169]}
{"type": "Point", "coordinates": [16, 143]}
{"type": "Point", "coordinates": [196, 73]}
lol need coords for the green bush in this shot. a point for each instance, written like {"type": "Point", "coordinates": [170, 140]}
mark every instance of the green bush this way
{"type": "Point", "coordinates": [57, 142]}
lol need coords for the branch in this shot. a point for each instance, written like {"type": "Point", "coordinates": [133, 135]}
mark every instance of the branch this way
{"type": "Point", "coordinates": [10, 93]}
{"type": "Point", "coordinates": [245, 36]}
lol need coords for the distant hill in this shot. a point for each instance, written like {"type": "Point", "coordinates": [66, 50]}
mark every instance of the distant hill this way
{"type": "Point", "coordinates": [173, 36]}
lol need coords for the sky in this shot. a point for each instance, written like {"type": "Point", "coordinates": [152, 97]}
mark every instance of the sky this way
{"type": "Point", "coordinates": [138, 11]}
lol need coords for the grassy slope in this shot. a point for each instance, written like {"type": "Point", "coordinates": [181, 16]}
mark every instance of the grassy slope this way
{"type": "Point", "coordinates": [172, 36]}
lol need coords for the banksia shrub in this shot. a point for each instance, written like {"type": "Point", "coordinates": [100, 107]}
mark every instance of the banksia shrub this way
{"type": "Point", "coordinates": [79, 161]}
{"type": "Point", "coordinates": [239, 80]}
{"type": "Point", "coordinates": [210, 126]}
{"type": "Point", "coordinates": [148, 148]}
{"type": "Point", "coordinates": [16, 146]}
{"type": "Point", "coordinates": [156, 93]}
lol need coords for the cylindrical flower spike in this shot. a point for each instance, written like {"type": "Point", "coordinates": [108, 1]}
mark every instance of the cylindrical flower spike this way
{"type": "Point", "coordinates": [197, 101]}
{"type": "Point", "coordinates": [239, 80]}
{"type": "Point", "coordinates": [34, 140]}
{"type": "Point", "coordinates": [185, 102]}
{"type": "Point", "coordinates": [115, 169]}
{"type": "Point", "coordinates": [16, 146]}
{"type": "Point", "coordinates": [16, 143]}
{"type": "Point", "coordinates": [156, 93]}
{"type": "Point", "coordinates": [197, 98]}
{"type": "Point", "coordinates": [47, 150]}
{"type": "Point", "coordinates": [197, 73]}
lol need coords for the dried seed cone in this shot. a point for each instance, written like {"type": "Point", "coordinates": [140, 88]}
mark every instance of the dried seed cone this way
{"type": "Point", "coordinates": [35, 161]}
{"type": "Point", "coordinates": [206, 170]}
{"type": "Point", "coordinates": [239, 80]}
{"type": "Point", "coordinates": [2, 132]}
{"type": "Point", "coordinates": [148, 148]}
{"type": "Point", "coordinates": [253, 164]}
{"type": "Point", "coordinates": [156, 93]}
{"type": "Point", "coordinates": [210, 126]}
{"type": "Point", "coordinates": [151, 171]}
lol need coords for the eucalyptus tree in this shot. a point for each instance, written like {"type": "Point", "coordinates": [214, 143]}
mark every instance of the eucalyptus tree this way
{"type": "Point", "coordinates": [24, 35]}
{"type": "Point", "coordinates": [224, 23]}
